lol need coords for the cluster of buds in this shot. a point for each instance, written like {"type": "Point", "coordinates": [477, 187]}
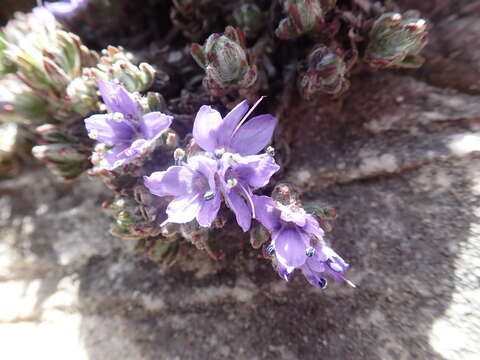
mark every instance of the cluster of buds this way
{"type": "Point", "coordinates": [63, 153]}
{"type": "Point", "coordinates": [227, 62]}
{"type": "Point", "coordinates": [118, 65]}
{"type": "Point", "coordinates": [396, 40]}
{"type": "Point", "coordinates": [47, 60]}
{"type": "Point", "coordinates": [302, 16]}
{"type": "Point", "coordinates": [326, 73]}
{"type": "Point", "coordinates": [133, 220]}
{"type": "Point", "coordinates": [19, 103]}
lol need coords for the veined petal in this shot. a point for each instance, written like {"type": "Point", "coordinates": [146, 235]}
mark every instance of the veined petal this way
{"type": "Point", "coordinates": [153, 124]}
{"type": "Point", "coordinates": [117, 99]}
{"type": "Point", "coordinates": [290, 246]}
{"type": "Point", "coordinates": [266, 212]}
{"type": "Point", "coordinates": [209, 211]}
{"type": "Point", "coordinates": [184, 209]}
{"type": "Point", "coordinates": [230, 122]}
{"type": "Point", "coordinates": [256, 170]}
{"type": "Point", "coordinates": [254, 135]}
{"type": "Point", "coordinates": [107, 130]}
{"type": "Point", "coordinates": [206, 128]}
{"type": "Point", "coordinates": [175, 181]}
{"type": "Point", "coordinates": [241, 209]}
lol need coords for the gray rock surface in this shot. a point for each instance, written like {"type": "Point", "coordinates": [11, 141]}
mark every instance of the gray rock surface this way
{"type": "Point", "coordinates": [401, 166]}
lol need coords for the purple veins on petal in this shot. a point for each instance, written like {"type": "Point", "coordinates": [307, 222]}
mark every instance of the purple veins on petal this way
{"type": "Point", "coordinates": [232, 133]}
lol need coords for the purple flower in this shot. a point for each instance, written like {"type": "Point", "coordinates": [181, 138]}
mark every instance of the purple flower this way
{"type": "Point", "coordinates": [297, 242]}
{"type": "Point", "coordinates": [322, 260]}
{"type": "Point", "coordinates": [65, 9]}
{"type": "Point", "coordinates": [193, 186]}
{"type": "Point", "coordinates": [240, 175]}
{"type": "Point", "coordinates": [232, 134]}
{"type": "Point", "coordinates": [126, 129]}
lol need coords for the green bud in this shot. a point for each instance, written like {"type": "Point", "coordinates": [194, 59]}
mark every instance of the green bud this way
{"type": "Point", "coordinates": [249, 18]}
{"type": "Point", "coordinates": [326, 73]}
{"type": "Point", "coordinates": [164, 252]}
{"type": "Point", "coordinates": [116, 64]}
{"type": "Point", "coordinates": [396, 40]}
{"type": "Point", "coordinates": [259, 235]}
{"type": "Point", "coordinates": [63, 159]}
{"type": "Point", "coordinates": [19, 103]}
{"type": "Point", "coordinates": [302, 16]}
{"type": "Point", "coordinates": [226, 61]}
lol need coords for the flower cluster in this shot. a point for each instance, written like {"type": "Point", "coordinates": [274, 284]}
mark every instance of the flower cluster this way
{"type": "Point", "coordinates": [229, 167]}
{"type": "Point", "coordinates": [297, 241]}
{"type": "Point", "coordinates": [126, 130]}
{"type": "Point", "coordinates": [224, 163]}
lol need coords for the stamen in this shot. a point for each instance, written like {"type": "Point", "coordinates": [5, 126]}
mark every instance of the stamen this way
{"type": "Point", "coordinates": [270, 250]}
{"type": "Point", "coordinates": [310, 251]}
{"type": "Point", "coordinates": [219, 152]}
{"type": "Point", "coordinates": [322, 282]}
{"type": "Point", "coordinates": [209, 195]}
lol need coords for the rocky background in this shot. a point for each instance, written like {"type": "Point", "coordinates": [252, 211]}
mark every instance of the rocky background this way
{"type": "Point", "coordinates": [399, 157]}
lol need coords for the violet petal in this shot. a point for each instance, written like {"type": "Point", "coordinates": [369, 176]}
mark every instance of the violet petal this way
{"type": "Point", "coordinates": [153, 124]}
{"type": "Point", "coordinates": [206, 128]}
{"type": "Point", "coordinates": [105, 129]}
{"type": "Point", "coordinates": [254, 135]}
{"type": "Point", "coordinates": [175, 181]}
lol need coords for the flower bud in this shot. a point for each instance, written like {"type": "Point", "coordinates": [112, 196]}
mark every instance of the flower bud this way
{"type": "Point", "coordinates": [116, 65]}
{"type": "Point", "coordinates": [302, 16]}
{"type": "Point", "coordinates": [396, 40]}
{"type": "Point", "coordinates": [226, 61]}
{"type": "Point", "coordinates": [250, 19]}
{"type": "Point", "coordinates": [62, 159]}
{"type": "Point", "coordinates": [326, 73]}
{"type": "Point", "coordinates": [285, 194]}
{"type": "Point", "coordinates": [259, 235]}
{"type": "Point", "coordinates": [164, 252]}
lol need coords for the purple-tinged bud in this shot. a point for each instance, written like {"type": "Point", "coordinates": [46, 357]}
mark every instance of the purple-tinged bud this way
{"type": "Point", "coordinates": [285, 194]}
{"type": "Point", "coordinates": [226, 61]}
{"type": "Point", "coordinates": [302, 16]}
{"type": "Point", "coordinates": [396, 40]}
{"type": "Point", "coordinates": [326, 73]}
